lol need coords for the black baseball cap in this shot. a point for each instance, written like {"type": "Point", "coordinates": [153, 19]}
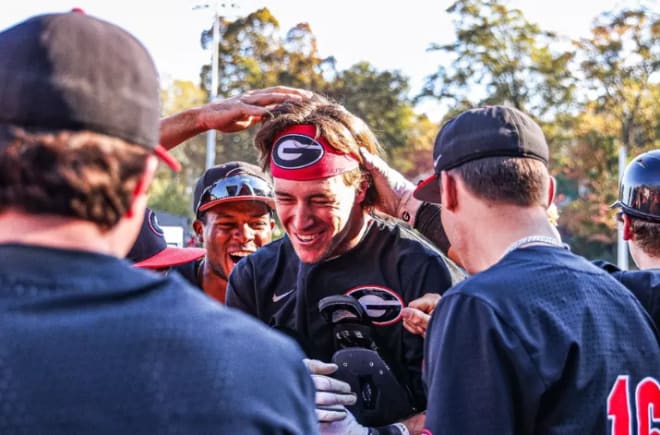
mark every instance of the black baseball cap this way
{"type": "Point", "coordinates": [230, 182]}
{"type": "Point", "coordinates": [71, 71]}
{"type": "Point", "coordinates": [478, 133]}
{"type": "Point", "coordinates": [151, 251]}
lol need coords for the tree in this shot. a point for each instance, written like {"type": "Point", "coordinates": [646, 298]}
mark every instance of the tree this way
{"type": "Point", "coordinates": [254, 55]}
{"type": "Point", "coordinates": [501, 58]}
{"type": "Point", "coordinates": [173, 192]}
{"type": "Point", "coordinates": [620, 61]}
{"type": "Point", "coordinates": [380, 99]}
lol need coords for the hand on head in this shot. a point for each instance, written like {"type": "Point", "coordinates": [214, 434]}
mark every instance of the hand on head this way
{"type": "Point", "coordinates": [395, 192]}
{"type": "Point", "coordinates": [243, 111]}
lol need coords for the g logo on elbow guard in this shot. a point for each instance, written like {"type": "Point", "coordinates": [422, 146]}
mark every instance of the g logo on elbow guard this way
{"type": "Point", "coordinates": [382, 305]}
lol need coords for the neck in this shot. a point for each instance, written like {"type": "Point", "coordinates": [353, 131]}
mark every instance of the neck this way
{"type": "Point", "coordinates": [58, 232]}
{"type": "Point", "coordinates": [642, 259]}
{"type": "Point", "coordinates": [213, 284]}
{"type": "Point", "coordinates": [355, 232]}
{"type": "Point", "coordinates": [497, 229]}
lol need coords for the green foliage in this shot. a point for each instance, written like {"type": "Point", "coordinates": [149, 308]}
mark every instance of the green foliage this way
{"type": "Point", "coordinates": [591, 96]}
{"type": "Point", "coordinates": [379, 98]}
{"type": "Point", "coordinates": [499, 57]}
{"type": "Point", "coordinates": [169, 194]}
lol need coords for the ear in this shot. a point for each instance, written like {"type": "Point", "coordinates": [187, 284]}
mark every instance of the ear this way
{"type": "Point", "coordinates": [628, 233]}
{"type": "Point", "coordinates": [361, 193]}
{"type": "Point", "coordinates": [448, 193]}
{"type": "Point", "coordinates": [142, 186]}
{"type": "Point", "coordinates": [552, 185]}
{"type": "Point", "coordinates": [272, 223]}
{"type": "Point", "coordinates": [198, 227]}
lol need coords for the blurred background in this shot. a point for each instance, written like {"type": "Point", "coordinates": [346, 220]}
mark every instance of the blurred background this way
{"type": "Point", "coordinates": [588, 71]}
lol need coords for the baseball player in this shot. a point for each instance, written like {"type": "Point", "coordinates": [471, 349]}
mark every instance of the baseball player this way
{"type": "Point", "coordinates": [334, 248]}
{"type": "Point", "coordinates": [638, 193]}
{"type": "Point", "coordinates": [234, 209]}
{"type": "Point", "coordinates": [639, 205]}
{"type": "Point", "coordinates": [537, 339]}
{"type": "Point", "coordinates": [89, 343]}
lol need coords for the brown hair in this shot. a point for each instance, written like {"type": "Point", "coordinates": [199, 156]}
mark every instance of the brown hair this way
{"type": "Point", "coordinates": [647, 235]}
{"type": "Point", "coordinates": [341, 129]}
{"type": "Point", "coordinates": [510, 180]}
{"type": "Point", "coordinates": [81, 175]}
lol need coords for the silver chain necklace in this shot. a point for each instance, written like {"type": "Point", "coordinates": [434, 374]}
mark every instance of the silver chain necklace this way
{"type": "Point", "coordinates": [529, 240]}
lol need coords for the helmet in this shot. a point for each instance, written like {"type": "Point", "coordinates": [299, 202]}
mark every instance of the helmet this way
{"type": "Point", "coordinates": [639, 190]}
{"type": "Point", "coordinates": [229, 182]}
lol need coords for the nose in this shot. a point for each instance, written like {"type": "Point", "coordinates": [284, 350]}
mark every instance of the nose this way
{"type": "Point", "coordinates": [244, 233]}
{"type": "Point", "coordinates": [301, 216]}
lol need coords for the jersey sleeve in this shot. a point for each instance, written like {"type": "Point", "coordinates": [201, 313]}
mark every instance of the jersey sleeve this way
{"type": "Point", "coordinates": [479, 377]}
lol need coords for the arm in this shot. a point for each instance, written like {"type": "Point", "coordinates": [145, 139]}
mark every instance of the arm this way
{"type": "Point", "coordinates": [226, 115]}
{"type": "Point", "coordinates": [395, 198]}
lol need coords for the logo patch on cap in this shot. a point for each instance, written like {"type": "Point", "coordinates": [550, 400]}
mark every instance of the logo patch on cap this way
{"type": "Point", "coordinates": [382, 305]}
{"type": "Point", "coordinates": [153, 224]}
{"type": "Point", "coordinates": [295, 151]}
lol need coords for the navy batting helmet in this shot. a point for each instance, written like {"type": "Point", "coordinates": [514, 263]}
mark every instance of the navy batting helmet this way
{"type": "Point", "coordinates": [639, 190]}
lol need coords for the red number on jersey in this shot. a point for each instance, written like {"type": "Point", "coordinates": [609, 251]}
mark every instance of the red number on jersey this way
{"type": "Point", "coordinates": [647, 403]}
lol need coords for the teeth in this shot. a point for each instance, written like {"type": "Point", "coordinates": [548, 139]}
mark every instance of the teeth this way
{"type": "Point", "coordinates": [304, 238]}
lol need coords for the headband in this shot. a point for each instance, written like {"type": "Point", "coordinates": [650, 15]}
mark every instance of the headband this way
{"type": "Point", "coordinates": [298, 154]}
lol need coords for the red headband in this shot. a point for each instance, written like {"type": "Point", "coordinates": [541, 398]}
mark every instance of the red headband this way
{"type": "Point", "coordinates": [299, 155]}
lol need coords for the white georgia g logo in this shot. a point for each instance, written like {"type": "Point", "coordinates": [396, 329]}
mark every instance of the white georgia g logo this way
{"type": "Point", "coordinates": [382, 305]}
{"type": "Point", "coordinates": [295, 151]}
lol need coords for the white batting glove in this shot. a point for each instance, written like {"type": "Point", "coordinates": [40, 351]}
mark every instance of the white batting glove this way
{"type": "Point", "coordinates": [395, 192]}
{"type": "Point", "coordinates": [331, 394]}
{"type": "Point", "coordinates": [347, 425]}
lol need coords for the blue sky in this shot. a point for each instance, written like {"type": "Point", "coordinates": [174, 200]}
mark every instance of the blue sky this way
{"type": "Point", "coordinates": [387, 34]}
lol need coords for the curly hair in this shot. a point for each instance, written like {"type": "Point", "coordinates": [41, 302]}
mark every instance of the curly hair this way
{"type": "Point", "coordinates": [81, 175]}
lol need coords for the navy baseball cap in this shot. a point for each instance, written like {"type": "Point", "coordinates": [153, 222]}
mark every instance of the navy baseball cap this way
{"type": "Point", "coordinates": [70, 71]}
{"type": "Point", "coordinates": [230, 182]}
{"type": "Point", "coordinates": [478, 133]}
{"type": "Point", "coordinates": [151, 250]}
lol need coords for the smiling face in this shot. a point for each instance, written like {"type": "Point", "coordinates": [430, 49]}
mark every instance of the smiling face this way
{"type": "Point", "coordinates": [232, 230]}
{"type": "Point", "coordinates": [322, 218]}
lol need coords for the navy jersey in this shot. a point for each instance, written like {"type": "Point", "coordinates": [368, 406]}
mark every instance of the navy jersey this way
{"type": "Point", "coordinates": [644, 284]}
{"type": "Point", "coordinates": [90, 344]}
{"type": "Point", "coordinates": [390, 266]}
{"type": "Point", "coordinates": [543, 342]}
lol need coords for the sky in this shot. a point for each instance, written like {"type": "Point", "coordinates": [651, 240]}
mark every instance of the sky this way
{"type": "Point", "coordinates": [391, 35]}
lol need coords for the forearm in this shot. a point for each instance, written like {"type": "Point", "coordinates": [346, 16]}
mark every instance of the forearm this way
{"type": "Point", "coordinates": [429, 223]}
{"type": "Point", "coordinates": [179, 127]}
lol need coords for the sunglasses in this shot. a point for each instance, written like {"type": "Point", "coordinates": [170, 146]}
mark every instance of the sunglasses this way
{"type": "Point", "coordinates": [235, 187]}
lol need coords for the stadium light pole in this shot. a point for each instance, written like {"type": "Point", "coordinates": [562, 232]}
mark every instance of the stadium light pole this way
{"type": "Point", "coordinates": [621, 245]}
{"type": "Point", "coordinates": [210, 135]}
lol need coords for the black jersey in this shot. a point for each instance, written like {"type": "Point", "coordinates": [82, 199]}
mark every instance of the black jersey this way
{"type": "Point", "coordinates": [644, 284]}
{"type": "Point", "coordinates": [390, 267]}
{"type": "Point", "coordinates": [543, 342]}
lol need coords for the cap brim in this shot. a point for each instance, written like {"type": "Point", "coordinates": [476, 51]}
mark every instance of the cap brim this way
{"type": "Point", "coordinates": [428, 190]}
{"type": "Point", "coordinates": [171, 256]}
{"type": "Point", "coordinates": [167, 158]}
{"type": "Point", "coordinates": [268, 201]}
